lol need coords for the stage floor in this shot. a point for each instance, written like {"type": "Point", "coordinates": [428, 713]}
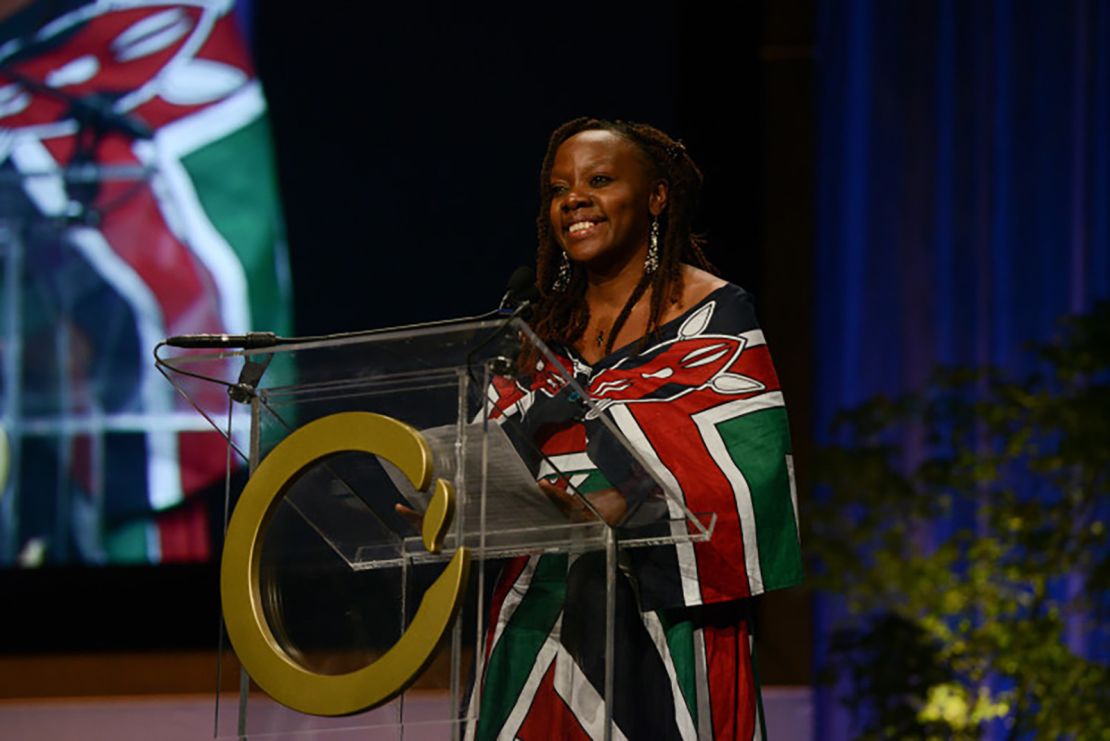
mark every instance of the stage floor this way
{"type": "Point", "coordinates": [189, 717]}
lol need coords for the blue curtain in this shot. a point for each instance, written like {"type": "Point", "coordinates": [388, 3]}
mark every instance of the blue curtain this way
{"type": "Point", "coordinates": [963, 186]}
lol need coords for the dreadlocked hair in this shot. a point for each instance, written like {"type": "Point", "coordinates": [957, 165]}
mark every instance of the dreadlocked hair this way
{"type": "Point", "coordinates": [562, 316]}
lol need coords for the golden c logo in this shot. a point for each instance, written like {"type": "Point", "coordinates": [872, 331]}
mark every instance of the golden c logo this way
{"type": "Point", "coordinates": [274, 669]}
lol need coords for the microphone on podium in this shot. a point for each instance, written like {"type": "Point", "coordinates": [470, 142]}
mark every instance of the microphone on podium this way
{"type": "Point", "coordinates": [248, 341]}
{"type": "Point", "coordinates": [521, 290]}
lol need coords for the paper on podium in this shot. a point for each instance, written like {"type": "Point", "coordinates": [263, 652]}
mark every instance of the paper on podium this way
{"type": "Point", "coordinates": [514, 502]}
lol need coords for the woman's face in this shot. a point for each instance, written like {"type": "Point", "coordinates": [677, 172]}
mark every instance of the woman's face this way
{"type": "Point", "coordinates": [603, 199]}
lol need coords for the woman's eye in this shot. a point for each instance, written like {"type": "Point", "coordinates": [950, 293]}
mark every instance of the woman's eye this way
{"type": "Point", "coordinates": [600, 180]}
{"type": "Point", "coordinates": [557, 188]}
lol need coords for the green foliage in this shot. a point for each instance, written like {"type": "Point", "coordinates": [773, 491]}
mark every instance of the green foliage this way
{"type": "Point", "coordinates": [965, 526]}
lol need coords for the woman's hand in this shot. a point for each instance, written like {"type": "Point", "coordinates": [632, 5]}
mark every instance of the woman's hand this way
{"type": "Point", "coordinates": [609, 503]}
{"type": "Point", "coordinates": [410, 515]}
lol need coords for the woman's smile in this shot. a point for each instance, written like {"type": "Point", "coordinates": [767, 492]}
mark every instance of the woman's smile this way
{"type": "Point", "coordinates": [583, 229]}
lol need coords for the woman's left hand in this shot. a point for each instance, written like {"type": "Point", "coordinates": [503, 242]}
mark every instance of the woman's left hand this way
{"type": "Point", "coordinates": [609, 503]}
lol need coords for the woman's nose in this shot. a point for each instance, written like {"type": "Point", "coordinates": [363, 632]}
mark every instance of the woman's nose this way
{"type": "Point", "coordinates": [575, 199]}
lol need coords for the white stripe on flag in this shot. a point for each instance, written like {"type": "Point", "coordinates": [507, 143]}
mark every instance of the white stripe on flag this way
{"type": "Point", "coordinates": [793, 494]}
{"type": "Point", "coordinates": [753, 338]}
{"type": "Point", "coordinates": [182, 207]}
{"type": "Point", "coordinates": [47, 192]}
{"type": "Point", "coordinates": [564, 463]}
{"type": "Point", "coordinates": [701, 681]}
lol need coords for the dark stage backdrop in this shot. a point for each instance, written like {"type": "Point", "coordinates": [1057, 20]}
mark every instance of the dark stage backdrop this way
{"type": "Point", "coordinates": [409, 139]}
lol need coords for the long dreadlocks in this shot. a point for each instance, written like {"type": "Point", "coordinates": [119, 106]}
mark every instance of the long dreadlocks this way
{"type": "Point", "coordinates": [563, 315]}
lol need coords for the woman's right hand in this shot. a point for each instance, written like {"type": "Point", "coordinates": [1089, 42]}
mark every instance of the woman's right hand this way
{"type": "Point", "coordinates": [410, 515]}
{"type": "Point", "coordinates": [609, 503]}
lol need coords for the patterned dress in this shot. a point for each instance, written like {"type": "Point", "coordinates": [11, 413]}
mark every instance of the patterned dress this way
{"type": "Point", "coordinates": [702, 405]}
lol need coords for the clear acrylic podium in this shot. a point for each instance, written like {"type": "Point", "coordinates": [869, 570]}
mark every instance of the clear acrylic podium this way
{"type": "Point", "coordinates": [321, 575]}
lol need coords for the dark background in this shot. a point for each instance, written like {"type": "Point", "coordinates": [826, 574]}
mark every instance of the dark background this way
{"type": "Point", "coordinates": [409, 138]}
{"type": "Point", "coordinates": [409, 143]}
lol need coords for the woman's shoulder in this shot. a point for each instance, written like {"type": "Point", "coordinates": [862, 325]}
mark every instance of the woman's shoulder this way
{"type": "Point", "coordinates": [697, 285]}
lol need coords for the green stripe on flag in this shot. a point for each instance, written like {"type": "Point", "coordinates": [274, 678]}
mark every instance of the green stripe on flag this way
{"type": "Point", "coordinates": [758, 444]}
{"type": "Point", "coordinates": [520, 643]}
{"type": "Point", "coordinates": [129, 542]}
{"type": "Point", "coordinates": [595, 480]}
{"type": "Point", "coordinates": [236, 183]}
{"type": "Point", "coordinates": [680, 642]}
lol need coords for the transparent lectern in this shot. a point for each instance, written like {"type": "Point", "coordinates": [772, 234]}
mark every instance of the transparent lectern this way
{"type": "Point", "coordinates": [349, 614]}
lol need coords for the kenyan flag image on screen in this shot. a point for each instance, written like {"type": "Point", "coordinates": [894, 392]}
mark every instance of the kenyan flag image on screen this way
{"type": "Point", "coordinates": [179, 232]}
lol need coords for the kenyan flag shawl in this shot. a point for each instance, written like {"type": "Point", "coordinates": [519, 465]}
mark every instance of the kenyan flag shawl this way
{"type": "Point", "coordinates": [703, 406]}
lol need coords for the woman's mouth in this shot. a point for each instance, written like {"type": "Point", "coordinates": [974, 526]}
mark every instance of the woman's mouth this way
{"type": "Point", "coordinates": [582, 229]}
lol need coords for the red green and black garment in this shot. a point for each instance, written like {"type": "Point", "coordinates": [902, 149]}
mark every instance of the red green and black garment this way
{"type": "Point", "coordinates": [703, 407]}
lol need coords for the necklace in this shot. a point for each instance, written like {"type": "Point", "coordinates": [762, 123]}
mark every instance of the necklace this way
{"type": "Point", "coordinates": [600, 337]}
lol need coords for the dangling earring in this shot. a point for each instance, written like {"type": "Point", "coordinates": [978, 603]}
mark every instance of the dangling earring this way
{"type": "Point", "coordinates": [651, 260]}
{"type": "Point", "coordinates": [562, 278]}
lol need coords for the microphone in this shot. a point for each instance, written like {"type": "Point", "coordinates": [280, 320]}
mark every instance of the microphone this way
{"type": "Point", "coordinates": [248, 341]}
{"type": "Point", "coordinates": [520, 294]}
{"type": "Point", "coordinates": [521, 289]}
{"type": "Point", "coordinates": [518, 299]}
{"type": "Point", "coordinates": [96, 110]}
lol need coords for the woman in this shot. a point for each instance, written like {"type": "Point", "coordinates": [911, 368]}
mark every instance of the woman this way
{"type": "Point", "coordinates": [628, 304]}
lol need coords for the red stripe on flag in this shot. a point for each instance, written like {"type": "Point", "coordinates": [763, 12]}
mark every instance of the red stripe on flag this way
{"type": "Point", "coordinates": [732, 691]}
{"type": "Point", "coordinates": [203, 459]}
{"type": "Point", "coordinates": [183, 533]}
{"type": "Point", "coordinates": [549, 716]}
{"type": "Point", "coordinates": [508, 393]}
{"type": "Point", "coordinates": [721, 572]}
{"type": "Point", "coordinates": [180, 283]}
{"type": "Point", "coordinates": [566, 439]}
{"type": "Point", "coordinates": [755, 362]}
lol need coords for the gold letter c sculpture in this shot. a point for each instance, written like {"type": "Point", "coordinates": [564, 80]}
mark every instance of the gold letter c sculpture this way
{"type": "Point", "coordinates": [261, 653]}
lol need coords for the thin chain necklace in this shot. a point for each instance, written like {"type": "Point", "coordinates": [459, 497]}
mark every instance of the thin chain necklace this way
{"type": "Point", "coordinates": [600, 339]}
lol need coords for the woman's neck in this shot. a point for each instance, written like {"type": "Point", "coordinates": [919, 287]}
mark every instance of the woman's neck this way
{"type": "Point", "coordinates": [609, 290]}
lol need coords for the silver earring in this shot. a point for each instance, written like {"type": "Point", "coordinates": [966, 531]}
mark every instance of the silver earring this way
{"type": "Point", "coordinates": [651, 261]}
{"type": "Point", "coordinates": [562, 278]}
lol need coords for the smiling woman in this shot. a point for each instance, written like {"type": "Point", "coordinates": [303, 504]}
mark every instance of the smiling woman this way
{"type": "Point", "coordinates": [628, 304]}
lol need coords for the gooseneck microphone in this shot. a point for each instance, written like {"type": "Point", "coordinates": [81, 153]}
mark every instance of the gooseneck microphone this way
{"type": "Point", "coordinates": [520, 290]}
{"type": "Point", "coordinates": [248, 341]}
{"type": "Point", "coordinates": [520, 295]}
